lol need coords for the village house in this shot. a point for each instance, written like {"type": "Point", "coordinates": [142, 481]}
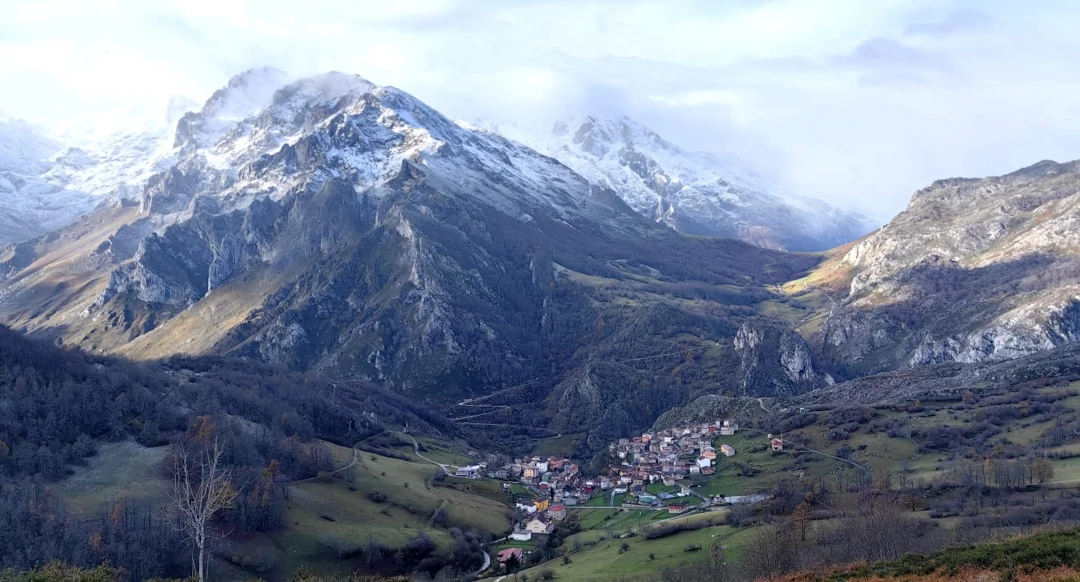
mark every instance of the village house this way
{"type": "Point", "coordinates": [542, 504]}
{"type": "Point", "coordinates": [728, 450]}
{"type": "Point", "coordinates": [521, 535]}
{"type": "Point", "coordinates": [704, 461]}
{"type": "Point", "coordinates": [777, 444]}
{"type": "Point", "coordinates": [538, 528]}
{"type": "Point", "coordinates": [679, 507]}
{"type": "Point", "coordinates": [470, 472]}
{"type": "Point", "coordinates": [557, 512]}
{"type": "Point", "coordinates": [729, 428]}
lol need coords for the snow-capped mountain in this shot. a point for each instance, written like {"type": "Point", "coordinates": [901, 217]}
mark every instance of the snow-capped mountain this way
{"type": "Point", "coordinates": [49, 179]}
{"type": "Point", "coordinates": [349, 228]}
{"type": "Point", "coordinates": [694, 193]}
{"type": "Point", "coordinates": [31, 203]}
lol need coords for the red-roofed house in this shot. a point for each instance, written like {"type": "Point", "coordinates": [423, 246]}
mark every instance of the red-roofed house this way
{"type": "Point", "coordinates": [508, 553]}
{"type": "Point", "coordinates": [557, 512]}
{"type": "Point", "coordinates": [677, 507]}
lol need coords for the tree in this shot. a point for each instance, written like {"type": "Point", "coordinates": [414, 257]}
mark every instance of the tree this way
{"type": "Point", "coordinates": [771, 551]}
{"type": "Point", "coordinates": [1042, 470]}
{"type": "Point", "coordinates": [512, 565]}
{"type": "Point", "coordinates": [801, 518]}
{"type": "Point", "coordinates": [202, 486]}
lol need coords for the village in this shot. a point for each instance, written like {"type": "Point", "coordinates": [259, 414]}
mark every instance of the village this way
{"type": "Point", "coordinates": [652, 472]}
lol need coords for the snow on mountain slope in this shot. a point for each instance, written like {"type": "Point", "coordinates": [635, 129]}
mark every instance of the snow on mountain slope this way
{"type": "Point", "coordinates": [48, 180]}
{"type": "Point", "coordinates": [694, 193]}
{"type": "Point", "coordinates": [29, 203]}
{"type": "Point", "coordinates": [339, 126]}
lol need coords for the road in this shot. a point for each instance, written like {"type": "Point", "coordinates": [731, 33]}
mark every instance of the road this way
{"type": "Point", "coordinates": [487, 564]}
{"type": "Point", "coordinates": [848, 461]}
{"type": "Point", "coordinates": [349, 465]}
{"type": "Point", "coordinates": [416, 450]}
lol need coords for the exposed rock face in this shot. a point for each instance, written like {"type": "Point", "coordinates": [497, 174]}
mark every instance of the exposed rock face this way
{"type": "Point", "coordinates": [346, 228]}
{"type": "Point", "coordinates": [972, 271]}
{"type": "Point", "coordinates": [694, 193]}
{"type": "Point", "coordinates": [775, 361]}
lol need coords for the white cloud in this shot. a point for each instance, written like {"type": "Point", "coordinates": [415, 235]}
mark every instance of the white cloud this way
{"type": "Point", "coordinates": [857, 102]}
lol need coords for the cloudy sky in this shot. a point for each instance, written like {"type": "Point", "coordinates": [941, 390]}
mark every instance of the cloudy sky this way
{"type": "Point", "coordinates": [856, 102]}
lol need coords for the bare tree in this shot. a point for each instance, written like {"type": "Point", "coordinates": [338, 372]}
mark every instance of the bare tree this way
{"type": "Point", "coordinates": [772, 551]}
{"type": "Point", "coordinates": [202, 486]}
{"type": "Point", "coordinates": [1041, 470]}
{"type": "Point", "coordinates": [801, 517]}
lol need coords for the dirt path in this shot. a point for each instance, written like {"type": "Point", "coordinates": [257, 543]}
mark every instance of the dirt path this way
{"type": "Point", "coordinates": [416, 450]}
{"type": "Point", "coordinates": [352, 463]}
{"type": "Point", "coordinates": [848, 461]}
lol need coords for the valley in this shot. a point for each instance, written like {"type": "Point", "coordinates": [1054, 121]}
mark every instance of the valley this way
{"type": "Point", "coordinates": [410, 346]}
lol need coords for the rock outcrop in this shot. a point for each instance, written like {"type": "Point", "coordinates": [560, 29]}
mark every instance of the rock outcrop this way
{"type": "Point", "coordinates": [972, 271]}
{"type": "Point", "coordinates": [775, 361]}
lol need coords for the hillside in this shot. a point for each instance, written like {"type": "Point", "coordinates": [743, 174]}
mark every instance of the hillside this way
{"type": "Point", "coordinates": [974, 270]}
{"type": "Point", "coordinates": [1043, 556]}
{"type": "Point", "coordinates": [86, 444]}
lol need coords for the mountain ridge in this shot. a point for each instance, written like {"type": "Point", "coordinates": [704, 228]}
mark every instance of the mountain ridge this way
{"type": "Point", "coordinates": [694, 193]}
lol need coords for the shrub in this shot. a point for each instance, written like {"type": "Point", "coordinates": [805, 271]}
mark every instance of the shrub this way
{"type": "Point", "coordinates": [377, 496]}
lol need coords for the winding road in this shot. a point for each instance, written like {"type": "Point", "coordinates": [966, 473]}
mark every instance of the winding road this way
{"type": "Point", "coordinates": [416, 450]}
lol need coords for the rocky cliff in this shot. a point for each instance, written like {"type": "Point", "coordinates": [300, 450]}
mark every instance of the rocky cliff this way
{"type": "Point", "coordinates": [972, 271]}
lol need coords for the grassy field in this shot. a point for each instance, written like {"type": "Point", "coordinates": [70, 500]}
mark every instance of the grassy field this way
{"type": "Point", "coordinates": [119, 470]}
{"type": "Point", "coordinates": [556, 447]}
{"type": "Point", "coordinates": [325, 518]}
{"type": "Point", "coordinates": [604, 560]}
{"type": "Point", "coordinates": [322, 518]}
{"type": "Point", "coordinates": [878, 452]}
{"type": "Point", "coordinates": [442, 453]}
{"type": "Point", "coordinates": [594, 518]}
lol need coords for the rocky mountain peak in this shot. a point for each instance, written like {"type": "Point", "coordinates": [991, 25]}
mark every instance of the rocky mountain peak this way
{"type": "Point", "coordinates": [694, 193]}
